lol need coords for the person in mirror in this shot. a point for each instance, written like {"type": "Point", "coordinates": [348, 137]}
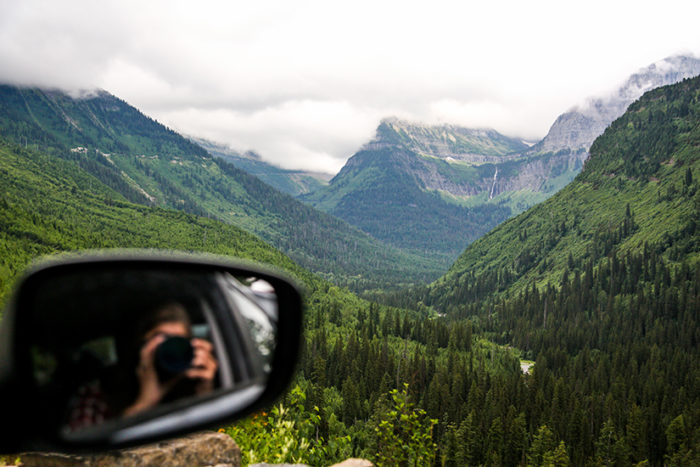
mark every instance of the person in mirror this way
{"type": "Point", "coordinates": [169, 321]}
{"type": "Point", "coordinates": [137, 385]}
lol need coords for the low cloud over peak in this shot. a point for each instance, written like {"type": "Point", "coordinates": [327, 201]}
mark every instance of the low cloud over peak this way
{"type": "Point", "coordinates": [305, 84]}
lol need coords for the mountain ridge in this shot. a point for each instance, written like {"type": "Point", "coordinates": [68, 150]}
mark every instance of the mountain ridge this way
{"type": "Point", "coordinates": [639, 190]}
{"type": "Point", "coordinates": [151, 164]}
{"type": "Point", "coordinates": [404, 190]}
{"type": "Point", "coordinates": [292, 182]}
{"type": "Point", "coordinates": [577, 128]}
{"type": "Point", "coordinates": [439, 187]}
{"type": "Point", "coordinates": [475, 145]}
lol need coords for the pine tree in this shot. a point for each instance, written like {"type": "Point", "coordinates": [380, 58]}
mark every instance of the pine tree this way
{"type": "Point", "coordinates": [543, 443]}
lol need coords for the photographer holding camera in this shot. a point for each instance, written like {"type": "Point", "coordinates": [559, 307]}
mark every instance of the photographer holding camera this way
{"type": "Point", "coordinates": [164, 356]}
{"type": "Point", "coordinates": [159, 361]}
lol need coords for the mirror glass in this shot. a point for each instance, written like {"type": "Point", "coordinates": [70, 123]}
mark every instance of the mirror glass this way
{"type": "Point", "coordinates": [114, 344]}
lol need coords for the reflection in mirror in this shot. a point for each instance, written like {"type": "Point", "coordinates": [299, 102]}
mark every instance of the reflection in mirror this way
{"type": "Point", "coordinates": [109, 345]}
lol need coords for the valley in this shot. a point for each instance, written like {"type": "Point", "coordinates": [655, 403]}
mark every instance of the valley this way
{"type": "Point", "coordinates": [598, 284]}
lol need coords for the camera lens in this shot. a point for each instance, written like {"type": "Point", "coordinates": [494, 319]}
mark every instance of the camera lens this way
{"type": "Point", "coordinates": [173, 356]}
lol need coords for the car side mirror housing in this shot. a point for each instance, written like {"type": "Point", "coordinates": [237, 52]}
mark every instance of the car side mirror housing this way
{"type": "Point", "coordinates": [111, 350]}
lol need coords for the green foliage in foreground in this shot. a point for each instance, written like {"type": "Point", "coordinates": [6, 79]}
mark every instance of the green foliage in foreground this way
{"type": "Point", "coordinates": [354, 352]}
{"type": "Point", "coordinates": [404, 434]}
{"type": "Point", "coordinates": [10, 460]}
{"type": "Point", "coordinates": [292, 434]}
{"type": "Point", "coordinates": [287, 434]}
{"type": "Point", "coordinates": [545, 450]}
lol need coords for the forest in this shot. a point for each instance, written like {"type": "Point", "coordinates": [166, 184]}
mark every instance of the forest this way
{"type": "Point", "coordinates": [598, 288]}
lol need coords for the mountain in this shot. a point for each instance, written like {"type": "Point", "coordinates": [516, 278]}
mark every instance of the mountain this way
{"type": "Point", "coordinates": [600, 287]}
{"type": "Point", "coordinates": [451, 141]}
{"type": "Point", "coordinates": [292, 182]}
{"type": "Point", "coordinates": [95, 119]}
{"type": "Point", "coordinates": [147, 163]}
{"type": "Point", "coordinates": [435, 189]}
{"type": "Point", "coordinates": [638, 188]}
{"type": "Point", "coordinates": [576, 129]}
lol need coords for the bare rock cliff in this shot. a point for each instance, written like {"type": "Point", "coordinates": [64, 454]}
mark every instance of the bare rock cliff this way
{"type": "Point", "coordinates": [579, 127]}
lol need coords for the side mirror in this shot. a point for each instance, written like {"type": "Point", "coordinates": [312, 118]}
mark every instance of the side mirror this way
{"type": "Point", "coordinates": [112, 350]}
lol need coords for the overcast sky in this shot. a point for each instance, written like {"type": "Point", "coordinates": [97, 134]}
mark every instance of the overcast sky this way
{"type": "Point", "coordinates": [305, 83]}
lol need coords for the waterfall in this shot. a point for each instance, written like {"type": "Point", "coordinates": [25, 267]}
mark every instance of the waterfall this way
{"type": "Point", "coordinates": [493, 186]}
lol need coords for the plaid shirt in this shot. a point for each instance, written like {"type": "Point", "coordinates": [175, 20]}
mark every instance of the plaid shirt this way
{"type": "Point", "coordinates": [88, 407]}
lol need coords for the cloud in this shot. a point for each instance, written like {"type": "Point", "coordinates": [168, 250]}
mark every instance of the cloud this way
{"type": "Point", "coordinates": [305, 83]}
{"type": "Point", "coordinates": [310, 135]}
{"type": "Point", "coordinates": [57, 45]}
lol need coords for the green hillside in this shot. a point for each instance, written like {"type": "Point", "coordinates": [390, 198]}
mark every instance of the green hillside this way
{"type": "Point", "coordinates": [48, 205]}
{"type": "Point", "coordinates": [150, 164]}
{"type": "Point", "coordinates": [98, 120]}
{"type": "Point", "coordinates": [377, 192]}
{"type": "Point", "coordinates": [638, 187]}
{"type": "Point", "coordinates": [355, 352]}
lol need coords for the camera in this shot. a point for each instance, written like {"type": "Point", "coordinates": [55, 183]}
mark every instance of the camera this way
{"type": "Point", "coordinates": [173, 356]}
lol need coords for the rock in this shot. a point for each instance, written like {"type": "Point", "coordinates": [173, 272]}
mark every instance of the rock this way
{"type": "Point", "coordinates": [578, 128]}
{"type": "Point", "coordinates": [263, 464]}
{"type": "Point", "coordinates": [354, 463]}
{"type": "Point", "coordinates": [199, 449]}
{"type": "Point", "coordinates": [345, 463]}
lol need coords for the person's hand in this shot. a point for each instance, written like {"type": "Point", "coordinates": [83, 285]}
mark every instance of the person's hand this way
{"type": "Point", "coordinates": [204, 366]}
{"type": "Point", "coordinates": [151, 390]}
